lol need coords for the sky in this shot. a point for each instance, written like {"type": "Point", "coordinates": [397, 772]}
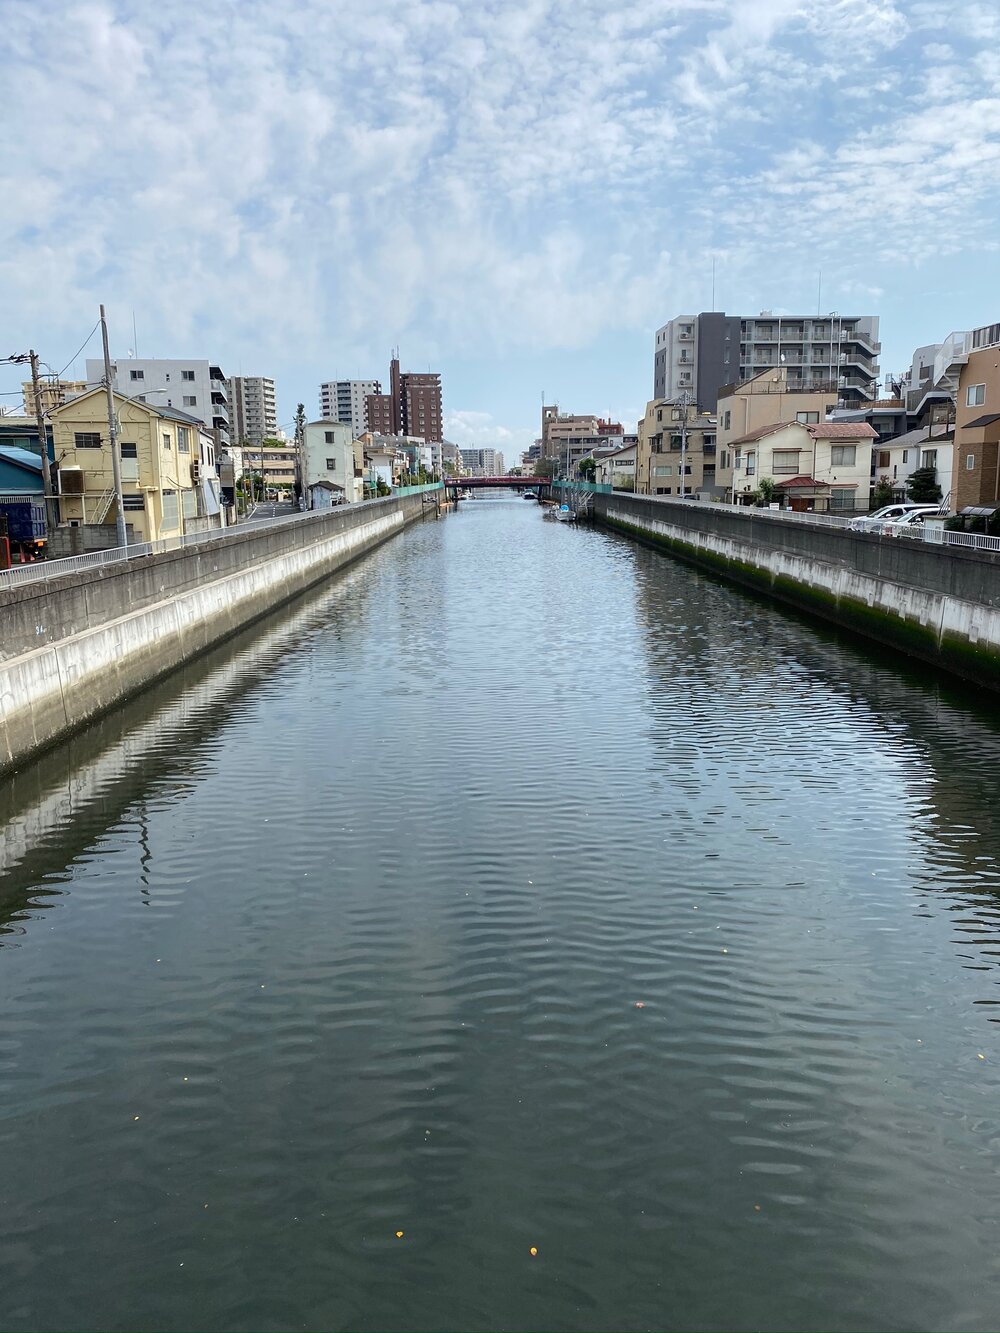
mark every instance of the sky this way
{"type": "Point", "coordinates": [516, 193]}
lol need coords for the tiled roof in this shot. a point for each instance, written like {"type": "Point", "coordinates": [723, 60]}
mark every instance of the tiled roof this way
{"type": "Point", "coordinates": [842, 430]}
{"type": "Point", "coordinates": [801, 483]}
{"type": "Point", "coordinates": [987, 420]}
{"type": "Point", "coordinates": [761, 431]}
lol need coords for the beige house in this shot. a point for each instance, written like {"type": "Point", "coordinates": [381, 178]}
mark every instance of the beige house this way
{"type": "Point", "coordinates": [168, 474]}
{"type": "Point", "coordinates": [616, 467]}
{"type": "Point", "coordinates": [976, 469]}
{"type": "Point", "coordinates": [824, 466]}
{"type": "Point", "coordinates": [662, 444]}
{"type": "Point", "coordinates": [766, 400]}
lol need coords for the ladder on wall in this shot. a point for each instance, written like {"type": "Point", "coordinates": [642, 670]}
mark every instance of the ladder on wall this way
{"type": "Point", "coordinates": [103, 505]}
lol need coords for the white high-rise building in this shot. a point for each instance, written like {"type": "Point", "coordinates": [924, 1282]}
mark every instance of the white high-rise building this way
{"type": "Point", "coordinates": [483, 462]}
{"type": "Point", "coordinates": [344, 401]}
{"type": "Point", "coordinates": [197, 387]}
{"type": "Point", "coordinates": [253, 409]}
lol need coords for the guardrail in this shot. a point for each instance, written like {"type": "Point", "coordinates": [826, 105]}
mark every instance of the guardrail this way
{"type": "Point", "coordinates": [932, 534]}
{"type": "Point", "coordinates": [116, 555]}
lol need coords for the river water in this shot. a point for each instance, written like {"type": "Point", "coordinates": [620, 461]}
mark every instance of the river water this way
{"type": "Point", "coordinates": [520, 889]}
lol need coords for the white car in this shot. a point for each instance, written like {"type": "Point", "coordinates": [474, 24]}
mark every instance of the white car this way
{"type": "Point", "coordinates": [893, 513]}
{"type": "Point", "coordinates": [910, 525]}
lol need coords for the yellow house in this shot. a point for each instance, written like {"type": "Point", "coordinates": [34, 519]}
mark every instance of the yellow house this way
{"type": "Point", "coordinates": [160, 461]}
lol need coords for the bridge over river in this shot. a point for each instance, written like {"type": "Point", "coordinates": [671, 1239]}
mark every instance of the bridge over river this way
{"type": "Point", "coordinates": [518, 929]}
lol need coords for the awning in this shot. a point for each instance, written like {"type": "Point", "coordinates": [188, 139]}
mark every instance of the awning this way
{"type": "Point", "coordinates": [803, 485]}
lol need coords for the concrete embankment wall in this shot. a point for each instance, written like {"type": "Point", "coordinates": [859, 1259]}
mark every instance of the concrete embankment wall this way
{"type": "Point", "coordinates": [941, 605]}
{"type": "Point", "coordinates": [73, 647]}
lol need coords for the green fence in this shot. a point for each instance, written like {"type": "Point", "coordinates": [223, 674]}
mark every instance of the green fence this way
{"type": "Point", "coordinates": [417, 490]}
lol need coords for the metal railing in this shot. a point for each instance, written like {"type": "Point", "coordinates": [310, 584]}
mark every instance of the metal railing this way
{"type": "Point", "coordinates": [116, 555]}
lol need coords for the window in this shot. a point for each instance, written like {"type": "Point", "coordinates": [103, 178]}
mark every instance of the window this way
{"type": "Point", "coordinates": [675, 441]}
{"type": "Point", "coordinates": [166, 440]}
{"type": "Point", "coordinates": [659, 414]}
{"type": "Point", "coordinates": [738, 459]}
{"type": "Point", "coordinates": [842, 455]}
{"type": "Point", "coordinates": [664, 490]}
{"type": "Point", "coordinates": [189, 400]}
{"type": "Point", "coordinates": [130, 450]}
{"type": "Point", "coordinates": [970, 462]}
{"type": "Point", "coordinates": [184, 439]}
{"type": "Point", "coordinates": [883, 458]}
{"type": "Point", "coordinates": [842, 499]}
{"type": "Point", "coordinates": [928, 458]}
{"type": "Point", "coordinates": [663, 471]}
{"type": "Point", "coordinates": [807, 418]}
{"type": "Point", "coordinates": [786, 462]}
{"type": "Point", "coordinates": [187, 374]}
{"type": "Point", "coordinates": [975, 395]}
{"type": "Point", "coordinates": [133, 502]}
{"type": "Point", "coordinates": [87, 440]}
{"type": "Point", "coordinates": [137, 374]}
{"type": "Point", "coordinates": [726, 417]}
{"type": "Point", "coordinates": [751, 463]}
{"type": "Point", "coordinates": [906, 455]}
{"type": "Point", "coordinates": [329, 437]}
{"type": "Point", "coordinates": [331, 465]}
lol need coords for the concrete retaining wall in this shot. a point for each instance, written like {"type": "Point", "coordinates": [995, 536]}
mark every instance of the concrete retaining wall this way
{"type": "Point", "coordinates": [941, 605]}
{"type": "Point", "coordinates": [75, 646]}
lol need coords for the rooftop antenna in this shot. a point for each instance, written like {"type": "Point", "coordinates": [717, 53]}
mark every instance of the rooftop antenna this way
{"type": "Point", "coordinates": [713, 282]}
{"type": "Point", "coordinates": [819, 292]}
{"type": "Point", "coordinates": [135, 339]}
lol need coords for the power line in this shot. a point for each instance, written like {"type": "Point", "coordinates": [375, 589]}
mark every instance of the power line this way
{"type": "Point", "coordinates": [79, 349]}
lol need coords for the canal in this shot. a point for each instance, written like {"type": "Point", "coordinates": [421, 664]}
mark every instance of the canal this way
{"type": "Point", "coordinates": [626, 944]}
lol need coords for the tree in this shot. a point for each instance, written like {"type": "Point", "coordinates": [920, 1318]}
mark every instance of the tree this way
{"type": "Point", "coordinates": [544, 467]}
{"type": "Point", "coordinates": [881, 493]}
{"type": "Point", "coordinates": [588, 468]}
{"type": "Point", "coordinates": [922, 486]}
{"type": "Point", "coordinates": [767, 491]}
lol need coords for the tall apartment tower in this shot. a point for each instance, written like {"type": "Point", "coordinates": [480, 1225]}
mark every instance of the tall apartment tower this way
{"type": "Point", "coordinates": [253, 410]}
{"type": "Point", "coordinates": [821, 353]}
{"type": "Point", "coordinates": [411, 407]}
{"type": "Point", "coordinates": [197, 387]}
{"type": "Point", "coordinates": [344, 401]}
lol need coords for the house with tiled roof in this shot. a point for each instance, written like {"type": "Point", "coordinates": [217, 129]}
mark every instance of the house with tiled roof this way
{"type": "Point", "coordinates": [824, 466]}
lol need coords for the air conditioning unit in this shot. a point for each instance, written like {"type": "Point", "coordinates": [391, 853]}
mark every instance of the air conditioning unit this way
{"type": "Point", "coordinates": [195, 472]}
{"type": "Point", "coordinates": [71, 481]}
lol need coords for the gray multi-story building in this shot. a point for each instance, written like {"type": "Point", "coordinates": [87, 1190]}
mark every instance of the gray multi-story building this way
{"type": "Point", "coordinates": [253, 409]}
{"type": "Point", "coordinates": [821, 353]}
{"type": "Point", "coordinates": [196, 387]}
{"type": "Point", "coordinates": [344, 401]}
{"type": "Point", "coordinates": [483, 462]}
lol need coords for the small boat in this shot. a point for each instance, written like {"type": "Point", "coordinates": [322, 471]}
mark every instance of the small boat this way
{"type": "Point", "coordinates": [530, 495]}
{"type": "Point", "coordinates": [564, 514]}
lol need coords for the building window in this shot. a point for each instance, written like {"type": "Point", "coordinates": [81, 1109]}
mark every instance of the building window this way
{"type": "Point", "coordinates": [726, 417]}
{"type": "Point", "coordinates": [906, 455]}
{"type": "Point", "coordinates": [970, 462]}
{"type": "Point", "coordinates": [975, 395]}
{"type": "Point", "coordinates": [883, 458]}
{"type": "Point", "coordinates": [183, 439]}
{"type": "Point", "coordinates": [751, 464]}
{"type": "Point", "coordinates": [166, 441]}
{"type": "Point", "coordinates": [187, 374]}
{"type": "Point", "coordinates": [663, 471]}
{"type": "Point", "coordinates": [928, 458]}
{"type": "Point", "coordinates": [842, 455]}
{"type": "Point", "coordinates": [328, 437]}
{"type": "Point", "coordinates": [331, 465]}
{"type": "Point", "coordinates": [129, 450]}
{"type": "Point", "coordinates": [807, 418]}
{"type": "Point", "coordinates": [133, 502]}
{"type": "Point", "coordinates": [137, 375]}
{"type": "Point", "coordinates": [786, 462]}
{"type": "Point", "coordinates": [842, 499]}
{"type": "Point", "coordinates": [664, 490]}
{"type": "Point", "coordinates": [87, 440]}
{"type": "Point", "coordinates": [190, 400]}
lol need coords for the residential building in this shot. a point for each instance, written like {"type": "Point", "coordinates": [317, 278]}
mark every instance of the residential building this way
{"type": "Point", "coordinates": [976, 473]}
{"type": "Point", "coordinates": [672, 436]}
{"type": "Point", "coordinates": [276, 462]}
{"type": "Point", "coordinates": [451, 458]}
{"type": "Point", "coordinates": [412, 406]}
{"type": "Point", "coordinates": [558, 427]}
{"type": "Point", "coordinates": [196, 387]}
{"type": "Point", "coordinates": [169, 481]}
{"type": "Point", "coordinates": [384, 460]}
{"type": "Point", "coordinates": [344, 401]}
{"type": "Point", "coordinates": [253, 409]}
{"type": "Point", "coordinates": [328, 453]}
{"type": "Point", "coordinates": [765, 400]}
{"type": "Point", "coordinates": [823, 466]}
{"type": "Point", "coordinates": [483, 463]}
{"type": "Point", "coordinates": [926, 446]}
{"type": "Point", "coordinates": [53, 392]}
{"type": "Point", "coordinates": [617, 467]}
{"type": "Point", "coordinates": [704, 353]}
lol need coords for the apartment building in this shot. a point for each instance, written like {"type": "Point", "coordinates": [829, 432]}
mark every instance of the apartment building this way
{"type": "Point", "coordinates": [976, 473]}
{"type": "Point", "coordinates": [412, 406]}
{"type": "Point", "coordinates": [677, 450]}
{"type": "Point", "coordinates": [483, 463]}
{"type": "Point", "coordinates": [823, 466]}
{"type": "Point", "coordinates": [766, 400]}
{"type": "Point", "coordinates": [53, 392]}
{"type": "Point", "coordinates": [275, 462]}
{"type": "Point", "coordinates": [343, 401]}
{"type": "Point", "coordinates": [253, 409]}
{"type": "Point", "coordinates": [328, 451]}
{"type": "Point", "coordinates": [704, 353]}
{"type": "Point", "coordinates": [196, 387]}
{"type": "Point", "coordinates": [168, 472]}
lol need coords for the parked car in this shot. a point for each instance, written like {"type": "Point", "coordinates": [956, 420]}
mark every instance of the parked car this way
{"type": "Point", "coordinates": [910, 525]}
{"type": "Point", "coordinates": [887, 514]}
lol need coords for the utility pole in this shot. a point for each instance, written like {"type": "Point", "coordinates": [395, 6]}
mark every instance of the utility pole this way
{"type": "Point", "coordinates": [685, 400]}
{"type": "Point", "coordinates": [116, 470]}
{"type": "Point", "coordinates": [50, 505]}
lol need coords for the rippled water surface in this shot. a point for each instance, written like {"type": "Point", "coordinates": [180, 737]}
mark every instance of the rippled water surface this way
{"type": "Point", "coordinates": [519, 888]}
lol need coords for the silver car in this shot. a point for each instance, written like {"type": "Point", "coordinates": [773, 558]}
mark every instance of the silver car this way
{"type": "Point", "coordinates": [893, 513]}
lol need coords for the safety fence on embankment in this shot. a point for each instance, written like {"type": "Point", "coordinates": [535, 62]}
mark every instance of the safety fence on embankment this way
{"type": "Point", "coordinates": [929, 534]}
{"type": "Point", "coordinates": [116, 555]}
